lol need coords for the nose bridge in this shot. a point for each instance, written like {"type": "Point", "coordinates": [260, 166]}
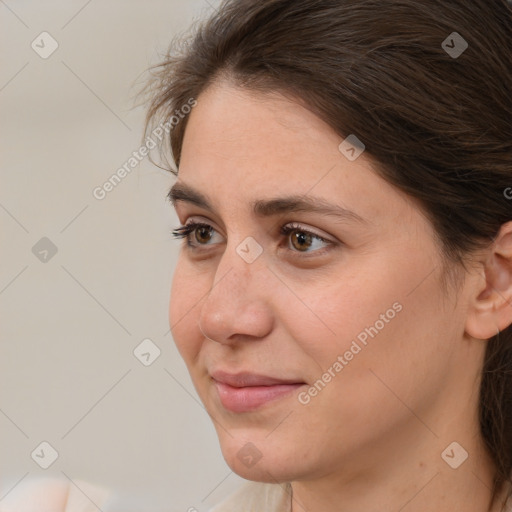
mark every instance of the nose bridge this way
{"type": "Point", "coordinates": [241, 264]}
{"type": "Point", "coordinates": [236, 303]}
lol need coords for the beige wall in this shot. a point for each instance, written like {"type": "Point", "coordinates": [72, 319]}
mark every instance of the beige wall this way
{"type": "Point", "coordinates": [70, 324]}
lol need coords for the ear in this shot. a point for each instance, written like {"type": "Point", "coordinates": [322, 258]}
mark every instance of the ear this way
{"type": "Point", "coordinates": [490, 308]}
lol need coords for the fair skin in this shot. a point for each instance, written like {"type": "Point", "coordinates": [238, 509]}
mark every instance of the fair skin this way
{"type": "Point", "coordinates": [372, 438]}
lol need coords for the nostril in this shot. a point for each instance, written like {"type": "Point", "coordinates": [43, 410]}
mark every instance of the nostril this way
{"type": "Point", "coordinates": [202, 332]}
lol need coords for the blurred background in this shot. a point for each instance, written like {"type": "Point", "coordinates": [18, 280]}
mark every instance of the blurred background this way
{"type": "Point", "coordinates": [92, 387]}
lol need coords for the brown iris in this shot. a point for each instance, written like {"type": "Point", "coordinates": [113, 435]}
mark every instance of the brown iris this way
{"type": "Point", "coordinates": [203, 231]}
{"type": "Point", "coordinates": [301, 240]}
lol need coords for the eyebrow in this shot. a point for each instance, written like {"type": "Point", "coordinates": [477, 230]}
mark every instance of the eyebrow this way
{"type": "Point", "coordinates": [269, 207]}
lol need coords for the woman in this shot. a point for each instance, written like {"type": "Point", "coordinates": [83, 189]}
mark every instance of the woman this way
{"type": "Point", "coordinates": [343, 296]}
{"type": "Point", "coordinates": [343, 293]}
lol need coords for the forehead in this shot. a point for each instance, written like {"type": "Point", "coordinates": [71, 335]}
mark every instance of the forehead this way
{"type": "Point", "coordinates": [245, 146]}
{"type": "Point", "coordinates": [230, 114]}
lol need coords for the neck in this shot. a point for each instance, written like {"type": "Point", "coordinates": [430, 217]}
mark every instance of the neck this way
{"type": "Point", "coordinates": [409, 475]}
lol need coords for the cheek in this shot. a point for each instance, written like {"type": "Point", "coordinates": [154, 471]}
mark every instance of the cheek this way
{"type": "Point", "coordinates": [184, 309]}
{"type": "Point", "coordinates": [386, 316]}
{"type": "Point", "coordinates": [394, 342]}
{"type": "Point", "coordinates": [352, 307]}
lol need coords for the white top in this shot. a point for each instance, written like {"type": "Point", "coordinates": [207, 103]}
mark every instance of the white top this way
{"type": "Point", "coordinates": [261, 497]}
{"type": "Point", "coordinates": [257, 497]}
{"type": "Point", "coordinates": [57, 495]}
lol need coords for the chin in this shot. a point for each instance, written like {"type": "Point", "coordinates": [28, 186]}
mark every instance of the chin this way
{"type": "Point", "coordinates": [259, 460]}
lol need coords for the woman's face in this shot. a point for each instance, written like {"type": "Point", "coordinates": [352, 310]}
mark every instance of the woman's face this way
{"type": "Point", "coordinates": [333, 345]}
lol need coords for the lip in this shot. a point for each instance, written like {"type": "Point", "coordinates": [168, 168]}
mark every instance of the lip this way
{"type": "Point", "coordinates": [245, 392]}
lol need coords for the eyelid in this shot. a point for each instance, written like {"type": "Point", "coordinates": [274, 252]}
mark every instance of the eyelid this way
{"type": "Point", "coordinates": [192, 221]}
{"type": "Point", "coordinates": [294, 226]}
{"type": "Point", "coordinates": [189, 227]}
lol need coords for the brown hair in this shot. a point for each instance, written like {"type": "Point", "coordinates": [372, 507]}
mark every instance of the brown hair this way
{"type": "Point", "coordinates": [438, 124]}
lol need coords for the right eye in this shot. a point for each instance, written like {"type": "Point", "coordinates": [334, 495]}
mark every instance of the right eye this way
{"type": "Point", "coordinates": [202, 233]}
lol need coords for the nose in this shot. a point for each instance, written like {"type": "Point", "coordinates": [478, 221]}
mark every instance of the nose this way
{"type": "Point", "coordinates": [237, 306]}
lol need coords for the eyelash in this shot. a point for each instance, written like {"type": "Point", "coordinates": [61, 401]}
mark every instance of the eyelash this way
{"type": "Point", "coordinates": [186, 230]}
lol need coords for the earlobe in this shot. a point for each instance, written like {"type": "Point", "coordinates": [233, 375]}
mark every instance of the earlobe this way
{"type": "Point", "coordinates": [491, 308]}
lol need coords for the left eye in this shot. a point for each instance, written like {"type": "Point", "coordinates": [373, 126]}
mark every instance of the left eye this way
{"type": "Point", "coordinates": [302, 240]}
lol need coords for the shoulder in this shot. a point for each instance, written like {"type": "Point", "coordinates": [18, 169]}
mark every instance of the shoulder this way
{"type": "Point", "coordinates": [505, 496]}
{"type": "Point", "coordinates": [508, 504]}
{"type": "Point", "coordinates": [54, 494]}
{"type": "Point", "coordinates": [257, 497]}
